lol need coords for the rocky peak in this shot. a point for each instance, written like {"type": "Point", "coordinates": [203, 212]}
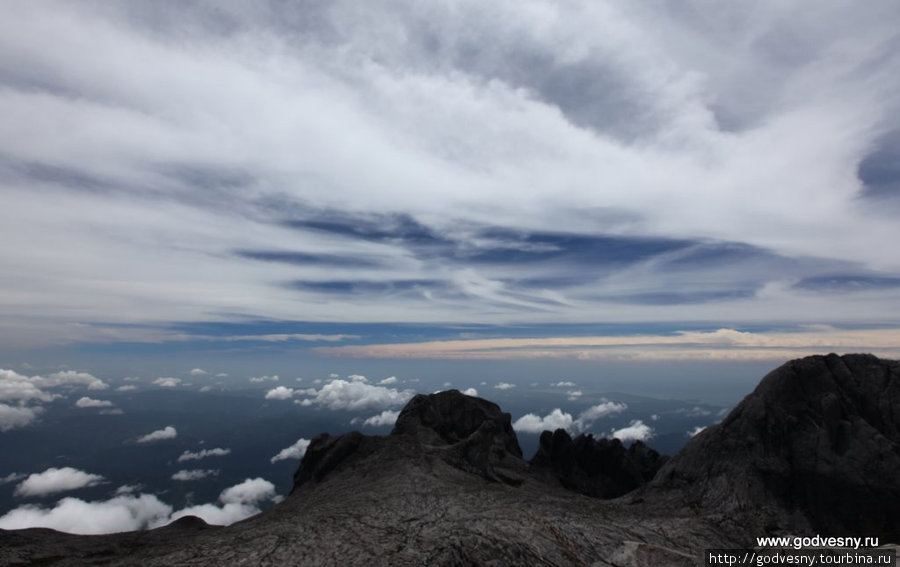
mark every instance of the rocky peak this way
{"type": "Point", "coordinates": [602, 468]}
{"type": "Point", "coordinates": [815, 446]}
{"type": "Point", "coordinates": [470, 433]}
{"type": "Point", "coordinates": [446, 418]}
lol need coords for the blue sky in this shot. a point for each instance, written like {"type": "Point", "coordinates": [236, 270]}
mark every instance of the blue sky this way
{"type": "Point", "coordinates": [501, 181]}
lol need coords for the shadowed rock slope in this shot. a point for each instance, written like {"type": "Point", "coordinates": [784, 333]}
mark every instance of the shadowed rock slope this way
{"type": "Point", "coordinates": [449, 487]}
{"type": "Point", "coordinates": [815, 448]}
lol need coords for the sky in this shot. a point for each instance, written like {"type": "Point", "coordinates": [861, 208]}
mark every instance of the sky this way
{"type": "Point", "coordinates": [455, 180]}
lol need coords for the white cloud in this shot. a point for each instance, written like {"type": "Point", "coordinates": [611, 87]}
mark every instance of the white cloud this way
{"type": "Point", "coordinates": [532, 423]}
{"type": "Point", "coordinates": [358, 378]}
{"type": "Point", "coordinates": [295, 451]}
{"type": "Point", "coordinates": [236, 503]}
{"type": "Point", "coordinates": [198, 372]}
{"type": "Point", "coordinates": [14, 386]}
{"type": "Point", "coordinates": [167, 432]}
{"type": "Point", "coordinates": [470, 392]}
{"type": "Point", "coordinates": [126, 512]}
{"type": "Point", "coordinates": [71, 378]}
{"type": "Point", "coordinates": [127, 388]}
{"type": "Point", "coordinates": [56, 480]}
{"type": "Point", "coordinates": [387, 381]}
{"type": "Point", "coordinates": [593, 413]}
{"type": "Point", "coordinates": [17, 387]}
{"type": "Point", "coordinates": [504, 386]}
{"type": "Point", "coordinates": [563, 384]}
{"type": "Point", "coordinates": [12, 477]}
{"type": "Point", "coordinates": [636, 431]}
{"type": "Point", "coordinates": [355, 396]}
{"type": "Point", "coordinates": [202, 454]}
{"type": "Point", "coordinates": [695, 411]}
{"type": "Point", "coordinates": [167, 382]}
{"type": "Point", "coordinates": [665, 111]}
{"type": "Point", "coordinates": [127, 489]}
{"type": "Point", "coordinates": [574, 394]}
{"type": "Point", "coordinates": [261, 379]}
{"type": "Point", "coordinates": [86, 402]}
{"type": "Point", "coordinates": [280, 393]}
{"type": "Point", "coordinates": [194, 474]}
{"type": "Point", "coordinates": [75, 516]}
{"type": "Point", "coordinates": [696, 430]}
{"type": "Point", "coordinates": [12, 417]}
{"type": "Point", "coordinates": [387, 417]}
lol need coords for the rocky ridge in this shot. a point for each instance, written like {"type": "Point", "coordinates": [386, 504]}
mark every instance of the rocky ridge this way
{"type": "Point", "coordinates": [810, 449]}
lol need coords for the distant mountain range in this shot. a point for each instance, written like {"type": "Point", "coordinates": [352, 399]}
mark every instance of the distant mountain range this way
{"type": "Point", "coordinates": [814, 449]}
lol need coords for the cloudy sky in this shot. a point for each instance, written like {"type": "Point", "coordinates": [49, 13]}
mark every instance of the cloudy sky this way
{"type": "Point", "coordinates": [506, 179]}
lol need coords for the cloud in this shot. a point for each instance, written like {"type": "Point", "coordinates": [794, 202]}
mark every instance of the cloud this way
{"type": "Point", "coordinates": [12, 417]}
{"type": "Point", "coordinates": [12, 477]}
{"type": "Point", "coordinates": [563, 384]}
{"type": "Point", "coordinates": [56, 480]}
{"type": "Point", "coordinates": [261, 379]}
{"type": "Point", "coordinates": [532, 423]}
{"type": "Point", "coordinates": [504, 386]}
{"type": "Point", "coordinates": [75, 516]}
{"type": "Point", "coordinates": [355, 396]}
{"type": "Point", "coordinates": [601, 410]}
{"type": "Point", "coordinates": [17, 387]}
{"type": "Point", "coordinates": [202, 454]}
{"type": "Point", "coordinates": [280, 393]}
{"type": "Point", "coordinates": [558, 419]}
{"type": "Point", "coordinates": [470, 392]}
{"type": "Point", "coordinates": [636, 431]}
{"type": "Point", "coordinates": [574, 394]}
{"type": "Point", "coordinates": [167, 432]}
{"type": "Point", "coordinates": [167, 382]}
{"type": "Point", "coordinates": [126, 512]}
{"type": "Point", "coordinates": [387, 381]}
{"type": "Point", "coordinates": [695, 411]}
{"type": "Point", "coordinates": [722, 344]}
{"type": "Point", "coordinates": [194, 474]}
{"type": "Point", "coordinates": [387, 417]}
{"type": "Point", "coordinates": [236, 503]}
{"type": "Point", "coordinates": [198, 372]}
{"type": "Point", "coordinates": [14, 386]}
{"type": "Point", "coordinates": [127, 388]}
{"type": "Point", "coordinates": [695, 430]}
{"type": "Point", "coordinates": [71, 378]}
{"type": "Point", "coordinates": [295, 451]}
{"type": "Point", "coordinates": [86, 402]}
{"type": "Point", "coordinates": [662, 108]}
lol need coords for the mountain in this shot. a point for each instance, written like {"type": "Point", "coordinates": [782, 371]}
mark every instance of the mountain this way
{"type": "Point", "coordinates": [814, 449]}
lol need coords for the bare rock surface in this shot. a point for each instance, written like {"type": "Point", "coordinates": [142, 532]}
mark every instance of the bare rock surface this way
{"type": "Point", "coordinates": [602, 468]}
{"type": "Point", "coordinates": [815, 447]}
{"type": "Point", "coordinates": [449, 487]}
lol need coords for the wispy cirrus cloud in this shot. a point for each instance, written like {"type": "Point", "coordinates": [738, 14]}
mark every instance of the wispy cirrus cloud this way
{"type": "Point", "coordinates": [621, 177]}
{"type": "Point", "coordinates": [721, 344]}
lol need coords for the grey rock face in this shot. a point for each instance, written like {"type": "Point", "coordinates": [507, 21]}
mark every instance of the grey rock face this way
{"type": "Point", "coordinates": [815, 447]}
{"type": "Point", "coordinates": [602, 468]}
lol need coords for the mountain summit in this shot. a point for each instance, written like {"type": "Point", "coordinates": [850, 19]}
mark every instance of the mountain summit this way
{"type": "Point", "coordinates": [814, 449]}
